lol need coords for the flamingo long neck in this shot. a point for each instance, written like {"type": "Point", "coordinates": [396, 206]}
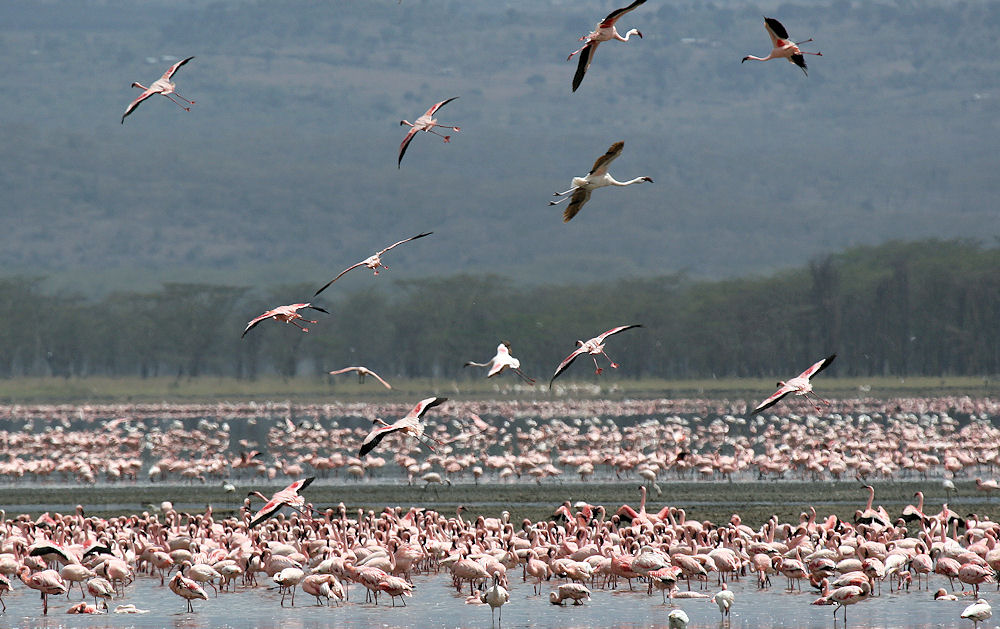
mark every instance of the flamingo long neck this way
{"type": "Point", "coordinates": [628, 34]}
{"type": "Point", "coordinates": [920, 502]}
{"type": "Point", "coordinates": [614, 182]}
{"type": "Point", "coordinates": [642, 503]}
{"type": "Point", "coordinates": [871, 497]}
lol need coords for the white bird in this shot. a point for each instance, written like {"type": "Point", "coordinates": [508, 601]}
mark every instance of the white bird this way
{"type": "Point", "coordinates": [373, 262]}
{"type": "Point", "coordinates": [783, 48]}
{"type": "Point", "coordinates": [362, 372]}
{"type": "Point", "coordinates": [677, 619]}
{"type": "Point", "coordinates": [978, 612]}
{"type": "Point", "coordinates": [594, 346]}
{"type": "Point", "coordinates": [724, 598]}
{"type": "Point", "coordinates": [409, 424]}
{"type": "Point", "coordinates": [496, 597]}
{"type": "Point", "coordinates": [598, 177]}
{"type": "Point", "coordinates": [162, 85]}
{"type": "Point", "coordinates": [605, 31]}
{"type": "Point", "coordinates": [502, 360]}
{"type": "Point", "coordinates": [799, 385]}
{"type": "Point", "coordinates": [288, 580]}
{"type": "Point", "coordinates": [427, 122]}
{"type": "Point", "coordinates": [576, 592]}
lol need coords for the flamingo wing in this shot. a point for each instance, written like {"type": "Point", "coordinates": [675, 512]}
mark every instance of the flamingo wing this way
{"type": "Point", "coordinates": [586, 56]}
{"type": "Point", "coordinates": [337, 372]}
{"type": "Point", "coordinates": [379, 378]}
{"type": "Point", "coordinates": [272, 507]}
{"type": "Point", "coordinates": [253, 322]}
{"type": "Point", "coordinates": [138, 101]}
{"type": "Point", "coordinates": [581, 196]}
{"type": "Point", "coordinates": [567, 362]}
{"type": "Point", "coordinates": [430, 112]}
{"type": "Point", "coordinates": [297, 486]}
{"type": "Point", "coordinates": [396, 244]}
{"type": "Point", "coordinates": [425, 405]}
{"type": "Point", "coordinates": [800, 60]}
{"type": "Point", "coordinates": [602, 163]}
{"type": "Point", "coordinates": [169, 73]}
{"type": "Point", "coordinates": [617, 13]}
{"type": "Point", "coordinates": [350, 268]}
{"type": "Point", "coordinates": [776, 30]}
{"type": "Point", "coordinates": [312, 307]}
{"type": "Point", "coordinates": [817, 367]}
{"type": "Point", "coordinates": [405, 144]}
{"type": "Point", "coordinates": [621, 328]}
{"type": "Point", "coordinates": [376, 436]}
{"type": "Point", "coordinates": [497, 367]}
{"type": "Point", "coordinates": [774, 399]}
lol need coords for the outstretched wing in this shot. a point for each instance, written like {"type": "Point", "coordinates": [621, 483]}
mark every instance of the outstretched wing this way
{"type": "Point", "coordinates": [425, 405]}
{"type": "Point", "coordinates": [169, 73]}
{"type": "Point", "coordinates": [350, 268]}
{"type": "Point", "coordinates": [774, 399]}
{"type": "Point", "coordinates": [337, 372]}
{"type": "Point", "coordinates": [602, 163]}
{"type": "Point", "coordinates": [581, 196]}
{"type": "Point", "coordinates": [566, 363]}
{"type": "Point", "coordinates": [775, 29]}
{"type": "Point", "coordinates": [800, 60]}
{"type": "Point", "coordinates": [376, 436]}
{"type": "Point", "coordinates": [405, 144]}
{"type": "Point", "coordinates": [617, 13]}
{"type": "Point", "coordinates": [430, 112]}
{"type": "Point", "coordinates": [817, 367]}
{"type": "Point", "coordinates": [586, 56]}
{"type": "Point", "coordinates": [621, 328]}
{"type": "Point", "coordinates": [253, 322]}
{"type": "Point", "coordinates": [312, 307]}
{"type": "Point", "coordinates": [131, 106]}
{"type": "Point", "coordinates": [396, 244]}
{"type": "Point", "coordinates": [379, 378]}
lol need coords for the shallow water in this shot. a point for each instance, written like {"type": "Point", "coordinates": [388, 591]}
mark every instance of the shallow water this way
{"type": "Point", "coordinates": [436, 604]}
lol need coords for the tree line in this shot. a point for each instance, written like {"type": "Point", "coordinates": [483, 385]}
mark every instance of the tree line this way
{"type": "Point", "coordinates": [919, 308]}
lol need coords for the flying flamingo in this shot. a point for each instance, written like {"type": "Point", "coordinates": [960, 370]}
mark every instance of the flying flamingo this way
{"type": "Point", "coordinates": [594, 346]}
{"type": "Point", "coordinates": [501, 361]}
{"type": "Point", "coordinates": [409, 424]}
{"type": "Point", "coordinates": [162, 85]}
{"type": "Point", "coordinates": [598, 177]}
{"type": "Point", "coordinates": [783, 47]}
{"type": "Point", "coordinates": [605, 31]}
{"type": "Point", "coordinates": [373, 262]}
{"type": "Point", "coordinates": [288, 314]}
{"type": "Point", "coordinates": [799, 385]}
{"type": "Point", "coordinates": [424, 123]}
{"type": "Point", "coordinates": [362, 372]}
{"type": "Point", "coordinates": [289, 496]}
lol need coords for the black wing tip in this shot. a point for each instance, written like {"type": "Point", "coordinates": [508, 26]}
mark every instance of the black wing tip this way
{"type": "Point", "coordinates": [318, 308]}
{"type": "Point", "coordinates": [308, 481]}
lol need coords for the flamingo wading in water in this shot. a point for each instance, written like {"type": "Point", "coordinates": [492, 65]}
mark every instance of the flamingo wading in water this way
{"type": "Point", "coordinates": [502, 360]}
{"type": "Point", "coordinates": [605, 31]}
{"type": "Point", "coordinates": [594, 347]}
{"type": "Point", "coordinates": [162, 85]}
{"type": "Point", "coordinates": [799, 385]}
{"type": "Point", "coordinates": [784, 48]}
{"type": "Point", "coordinates": [288, 314]}
{"type": "Point", "coordinates": [373, 262]}
{"type": "Point", "coordinates": [598, 177]}
{"type": "Point", "coordinates": [427, 122]}
{"type": "Point", "coordinates": [409, 424]}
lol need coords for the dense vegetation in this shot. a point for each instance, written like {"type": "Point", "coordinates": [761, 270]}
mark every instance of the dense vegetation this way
{"type": "Point", "coordinates": [923, 308]}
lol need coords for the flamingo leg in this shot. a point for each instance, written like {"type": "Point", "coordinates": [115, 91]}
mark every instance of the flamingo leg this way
{"type": "Point", "coordinates": [192, 102]}
{"type": "Point", "coordinates": [614, 365]}
{"type": "Point", "coordinates": [599, 370]}
{"type": "Point", "coordinates": [524, 377]}
{"type": "Point", "coordinates": [178, 104]}
{"type": "Point", "coordinates": [562, 194]}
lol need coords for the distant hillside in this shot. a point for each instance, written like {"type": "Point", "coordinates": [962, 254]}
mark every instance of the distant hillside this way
{"type": "Point", "coordinates": [285, 169]}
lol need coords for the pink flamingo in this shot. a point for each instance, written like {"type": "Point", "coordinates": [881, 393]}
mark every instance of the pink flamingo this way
{"type": "Point", "coordinates": [4, 587]}
{"type": "Point", "coordinates": [373, 262]}
{"type": "Point", "coordinates": [288, 314]}
{"type": "Point", "coordinates": [502, 360]}
{"type": "Point", "coordinates": [783, 47]}
{"type": "Point", "coordinates": [598, 177]}
{"type": "Point", "coordinates": [188, 589]}
{"type": "Point", "coordinates": [427, 122]}
{"type": "Point", "coordinates": [605, 31]}
{"type": "Point", "coordinates": [799, 385]}
{"type": "Point", "coordinates": [409, 424]}
{"type": "Point", "coordinates": [162, 85]}
{"type": "Point", "coordinates": [47, 582]}
{"type": "Point", "coordinates": [289, 496]}
{"type": "Point", "coordinates": [595, 347]}
{"type": "Point", "coordinates": [362, 372]}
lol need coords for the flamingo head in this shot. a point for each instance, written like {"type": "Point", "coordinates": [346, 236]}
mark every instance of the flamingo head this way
{"type": "Point", "coordinates": [403, 122]}
{"type": "Point", "coordinates": [634, 31]}
{"type": "Point", "coordinates": [579, 343]}
{"type": "Point", "coordinates": [649, 179]}
{"type": "Point", "coordinates": [744, 58]}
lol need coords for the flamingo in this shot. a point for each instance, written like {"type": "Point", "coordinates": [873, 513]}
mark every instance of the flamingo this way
{"type": "Point", "coordinates": [594, 346]}
{"type": "Point", "coordinates": [978, 612]}
{"type": "Point", "coordinates": [496, 596]}
{"type": "Point", "coordinates": [501, 361]}
{"type": "Point", "coordinates": [162, 85]}
{"type": "Point", "coordinates": [47, 582]}
{"type": "Point", "coordinates": [288, 580]}
{"type": "Point", "coordinates": [799, 385]}
{"type": "Point", "coordinates": [783, 47]}
{"type": "Point", "coordinates": [288, 314]}
{"type": "Point", "coordinates": [598, 177]}
{"type": "Point", "coordinates": [4, 587]}
{"type": "Point", "coordinates": [849, 595]}
{"type": "Point", "coordinates": [373, 262]}
{"type": "Point", "coordinates": [409, 424]}
{"type": "Point", "coordinates": [724, 599]}
{"type": "Point", "coordinates": [988, 486]}
{"type": "Point", "coordinates": [605, 31]}
{"type": "Point", "coordinates": [289, 496]}
{"type": "Point", "coordinates": [425, 123]}
{"type": "Point", "coordinates": [677, 619]}
{"type": "Point", "coordinates": [577, 592]}
{"type": "Point", "coordinates": [362, 372]}
{"type": "Point", "coordinates": [188, 589]}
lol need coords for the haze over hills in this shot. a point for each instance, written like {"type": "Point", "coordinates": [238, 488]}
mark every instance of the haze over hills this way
{"type": "Point", "coordinates": [285, 169]}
